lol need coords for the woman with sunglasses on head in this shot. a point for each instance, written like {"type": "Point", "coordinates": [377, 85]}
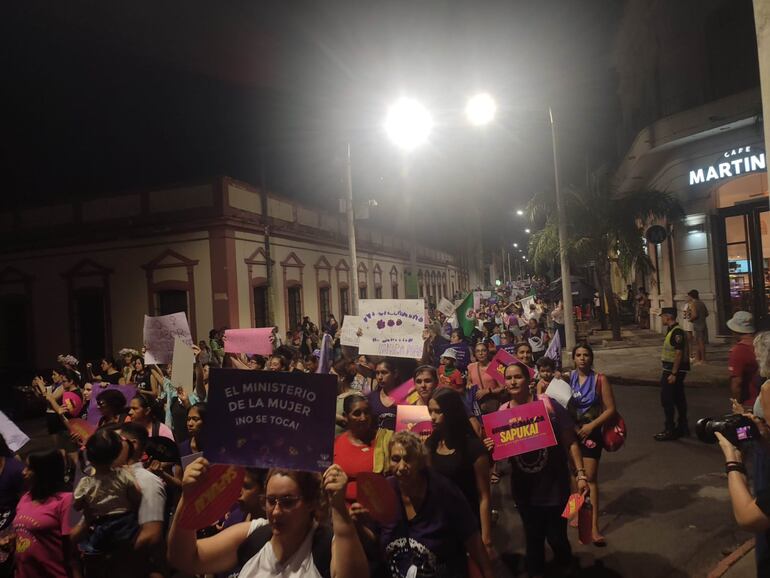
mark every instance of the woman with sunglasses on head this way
{"type": "Point", "coordinates": [292, 545]}
{"type": "Point", "coordinates": [540, 479]}
{"type": "Point", "coordinates": [435, 529]}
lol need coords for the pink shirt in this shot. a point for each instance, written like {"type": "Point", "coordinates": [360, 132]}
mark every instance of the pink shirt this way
{"type": "Point", "coordinates": [164, 431]}
{"type": "Point", "coordinates": [40, 531]}
{"type": "Point", "coordinates": [486, 381]}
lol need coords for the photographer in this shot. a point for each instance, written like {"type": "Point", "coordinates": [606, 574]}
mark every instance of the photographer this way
{"type": "Point", "coordinates": [752, 514]}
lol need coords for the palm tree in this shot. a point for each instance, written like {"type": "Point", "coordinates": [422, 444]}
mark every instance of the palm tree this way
{"type": "Point", "coordinates": [602, 229]}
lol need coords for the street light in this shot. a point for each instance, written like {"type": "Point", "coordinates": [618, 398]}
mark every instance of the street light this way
{"type": "Point", "coordinates": [520, 213]}
{"type": "Point", "coordinates": [408, 124]}
{"type": "Point", "coordinates": [480, 109]}
{"type": "Point", "coordinates": [515, 244]}
{"type": "Point", "coordinates": [527, 231]}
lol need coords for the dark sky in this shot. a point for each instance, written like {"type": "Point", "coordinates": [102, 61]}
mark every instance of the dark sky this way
{"type": "Point", "coordinates": [111, 96]}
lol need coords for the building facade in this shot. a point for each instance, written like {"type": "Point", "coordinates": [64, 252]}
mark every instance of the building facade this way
{"type": "Point", "coordinates": [78, 277]}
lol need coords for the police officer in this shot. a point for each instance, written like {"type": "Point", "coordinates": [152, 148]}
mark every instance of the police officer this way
{"type": "Point", "coordinates": [675, 359]}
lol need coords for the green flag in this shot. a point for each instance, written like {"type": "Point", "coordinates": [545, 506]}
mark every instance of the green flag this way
{"type": "Point", "coordinates": [466, 316]}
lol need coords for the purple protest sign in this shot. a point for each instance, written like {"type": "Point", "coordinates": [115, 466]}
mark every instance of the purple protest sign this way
{"type": "Point", "coordinates": [269, 419]}
{"type": "Point", "coordinates": [94, 412]}
{"type": "Point", "coordinates": [518, 430]}
{"type": "Point", "coordinates": [254, 341]}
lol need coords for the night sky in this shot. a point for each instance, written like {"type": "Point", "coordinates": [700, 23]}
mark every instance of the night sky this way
{"type": "Point", "coordinates": [107, 97]}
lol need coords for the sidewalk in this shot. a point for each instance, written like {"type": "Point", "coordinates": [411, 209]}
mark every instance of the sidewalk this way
{"type": "Point", "coordinates": [740, 564]}
{"type": "Point", "coordinates": [636, 359]}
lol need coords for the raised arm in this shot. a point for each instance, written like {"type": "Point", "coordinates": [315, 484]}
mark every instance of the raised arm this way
{"type": "Point", "coordinates": [348, 557]}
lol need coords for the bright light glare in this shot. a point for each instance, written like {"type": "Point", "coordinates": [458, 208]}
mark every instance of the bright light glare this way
{"type": "Point", "coordinates": [408, 124]}
{"type": "Point", "coordinates": [480, 109]}
{"type": "Point", "coordinates": [527, 231]}
{"type": "Point", "coordinates": [515, 244]}
{"type": "Point", "coordinates": [519, 212]}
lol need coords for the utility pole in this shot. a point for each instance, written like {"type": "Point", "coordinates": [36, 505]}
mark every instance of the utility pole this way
{"type": "Point", "coordinates": [352, 238]}
{"type": "Point", "coordinates": [566, 278]}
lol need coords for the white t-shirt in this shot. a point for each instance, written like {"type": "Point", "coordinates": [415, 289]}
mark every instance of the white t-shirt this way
{"type": "Point", "coordinates": [153, 495]}
{"type": "Point", "coordinates": [264, 562]}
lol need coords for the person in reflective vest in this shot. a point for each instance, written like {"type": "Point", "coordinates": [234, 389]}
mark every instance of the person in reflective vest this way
{"type": "Point", "coordinates": [675, 360]}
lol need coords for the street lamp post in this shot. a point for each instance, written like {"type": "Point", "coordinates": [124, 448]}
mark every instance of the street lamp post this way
{"type": "Point", "coordinates": [566, 284]}
{"type": "Point", "coordinates": [352, 237]}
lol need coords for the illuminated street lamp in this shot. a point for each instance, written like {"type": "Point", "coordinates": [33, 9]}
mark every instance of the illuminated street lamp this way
{"type": "Point", "coordinates": [480, 109]}
{"type": "Point", "coordinates": [515, 244]}
{"type": "Point", "coordinates": [527, 231]}
{"type": "Point", "coordinates": [520, 213]}
{"type": "Point", "coordinates": [408, 124]}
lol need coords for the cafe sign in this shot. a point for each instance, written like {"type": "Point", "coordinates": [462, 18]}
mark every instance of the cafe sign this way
{"type": "Point", "coordinates": [732, 163]}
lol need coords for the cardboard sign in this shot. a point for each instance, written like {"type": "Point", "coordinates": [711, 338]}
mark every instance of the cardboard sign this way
{"type": "Point", "coordinates": [376, 494]}
{"type": "Point", "coordinates": [414, 418]}
{"type": "Point", "coordinates": [518, 430]}
{"type": "Point", "coordinates": [159, 333]}
{"type": "Point", "coordinates": [392, 327]}
{"type": "Point", "coordinates": [14, 437]}
{"type": "Point", "coordinates": [349, 333]}
{"type": "Point", "coordinates": [81, 428]}
{"type": "Point", "coordinates": [183, 366]}
{"type": "Point", "coordinates": [501, 360]}
{"type": "Point", "coordinates": [251, 341]}
{"type": "Point", "coordinates": [268, 419]}
{"type": "Point", "coordinates": [94, 411]}
{"type": "Point", "coordinates": [212, 497]}
{"type": "Point", "coordinates": [559, 391]}
{"type": "Point", "coordinates": [404, 393]}
{"type": "Point", "coordinates": [446, 307]}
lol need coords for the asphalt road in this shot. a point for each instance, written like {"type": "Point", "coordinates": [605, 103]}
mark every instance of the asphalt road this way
{"type": "Point", "coordinates": [665, 509]}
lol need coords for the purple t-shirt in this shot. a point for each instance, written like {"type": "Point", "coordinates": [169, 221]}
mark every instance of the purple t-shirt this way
{"type": "Point", "coordinates": [541, 477]}
{"type": "Point", "coordinates": [385, 416]}
{"type": "Point", "coordinates": [434, 540]}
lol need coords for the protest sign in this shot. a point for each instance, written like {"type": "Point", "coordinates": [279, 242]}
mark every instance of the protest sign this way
{"type": "Point", "coordinates": [392, 327]}
{"type": "Point", "coordinates": [500, 361]}
{"type": "Point", "coordinates": [94, 411]}
{"type": "Point", "coordinates": [414, 418]}
{"type": "Point", "coordinates": [268, 419]}
{"type": "Point", "coordinates": [559, 391]}
{"type": "Point", "coordinates": [15, 439]}
{"type": "Point", "coordinates": [376, 494]}
{"type": "Point", "coordinates": [211, 498]}
{"type": "Point", "coordinates": [525, 303]}
{"type": "Point", "coordinates": [446, 307]}
{"type": "Point", "coordinates": [183, 366]}
{"type": "Point", "coordinates": [479, 296]}
{"type": "Point", "coordinates": [252, 341]}
{"type": "Point", "coordinates": [81, 428]}
{"type": "Point", "coordinates": [349, 334]}
{"type": "Point", "coordinates": [518, 430]}
{"type": "Point", "coordinates": [404, 393]}
{"type": "Point", "coordinates": [159, 333]}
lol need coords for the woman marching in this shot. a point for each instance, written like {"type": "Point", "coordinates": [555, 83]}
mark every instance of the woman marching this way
{"type": "Point", "coordinates": [540, 479]}
{"type": "Point", "coordinates": [593, 404]}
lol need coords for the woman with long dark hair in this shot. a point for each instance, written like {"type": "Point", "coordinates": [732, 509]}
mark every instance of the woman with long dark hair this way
{"type": "Point", "coordinates": [42, 522]}
{"type": "Point", "coordinates": [457, 453]}
{"type": "Point", "coordinates": [382, 405]}
{"type": "Point", "coordinates": [145, 411]}
{"type": "Point", "coordinates": [593, 404]}
{"type": "Point", "coordinates": [112, 404]}
{"type": "Point", "coordinates": [196, 425]}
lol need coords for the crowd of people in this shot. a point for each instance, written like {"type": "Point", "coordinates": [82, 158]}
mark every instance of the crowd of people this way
{"type": "Point", "coordinates": [107, 505]}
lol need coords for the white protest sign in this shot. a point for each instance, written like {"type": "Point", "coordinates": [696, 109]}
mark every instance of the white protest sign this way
{"type": "Point", "coordinates": [525, 303]}
{"type": "Point", "coordinates": [183, 366]}
{"type": "Point", "coordinates": [159, 333]}
{"type": "Point", "coordinates": [478, 296]}
{"type": "Point", "coordinates": [446, 307]}
{"type": "Point", "coordinates": [349, 334]}
{"type": "Point", "coordinates": [392, 327]}
{"type": "Point", "coordinates": [15, 439]}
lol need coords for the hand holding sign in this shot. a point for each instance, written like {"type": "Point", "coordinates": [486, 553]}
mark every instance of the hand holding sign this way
{"type": "Point", "coordinates": [376, 494]}
{"type": "Point", "coordinates": [209, 492]}
{"type": "Point", "coordinates": [519, 430]}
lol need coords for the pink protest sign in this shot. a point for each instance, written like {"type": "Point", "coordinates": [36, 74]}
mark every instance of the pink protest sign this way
{"type": "Point", "coordinates": [253, 341]}
{"type": "Point", "coordinates": [518, 430]}
{"type": "Point", "coordinates": [413, 418]}
{"type": "Point", "coordinates": [404, 393]}
{"type": "Point", "coordinates": [500, 361]}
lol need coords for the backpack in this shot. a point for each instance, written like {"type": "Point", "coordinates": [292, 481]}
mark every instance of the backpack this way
{"type": "Point", "coordinates": [321, 548]}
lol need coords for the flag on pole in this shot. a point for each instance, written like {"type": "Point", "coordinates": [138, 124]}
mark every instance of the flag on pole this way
{"type": "Point", "coordinates": [466, 316]}
{"type": "Point", "coordinates": [554, 350]}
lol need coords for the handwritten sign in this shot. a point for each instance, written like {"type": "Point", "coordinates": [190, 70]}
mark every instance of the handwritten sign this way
{"type": "Point", "coordinates": [271, 419]}
{"type": "Point", "coordinates": [349, 333]}
{"type": "Point", "coordinates": [446, 307]}
{"type": "Point", "coordinates": [414, 418]}
{"type": "Point", "coordinates": [14, 437]}
{"type": "Point", "coordinates": [501, 360]}
{"type": "Point", "coordinates": [376, 494]}
{"type": "Point", "coordinates": [392, 327]}
{"type": "Point", "coordinates": [252, 341]}
{"type": "Point", "coordinates": [518, 430]}
{"type": "Point", "coordinates": [159, 333]}
{"type": "Point", "coordinates": [212, 497]}
{"type": "Point", "coordinates": [183, 365]}
{"type": "Point", "coordinates": [94, 411]}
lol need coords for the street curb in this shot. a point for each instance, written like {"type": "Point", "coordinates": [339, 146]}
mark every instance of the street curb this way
{"type": "Point", "coordinates": [731, 559]}
{"type": "Point", "coordinates": [617, 379]}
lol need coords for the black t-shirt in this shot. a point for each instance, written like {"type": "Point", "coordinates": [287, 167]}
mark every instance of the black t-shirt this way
{"type": "Point", "coordinates": [142, 380]}
{"type": "Point", "coordinates": [763, 562]}
{"type": "Point", "coordinates": [458, 468]}
{"type": "Point", "coordinates": [679, 342]}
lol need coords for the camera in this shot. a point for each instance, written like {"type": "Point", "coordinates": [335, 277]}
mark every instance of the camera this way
{"type": "Point", "coordinates": [737, 428]}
